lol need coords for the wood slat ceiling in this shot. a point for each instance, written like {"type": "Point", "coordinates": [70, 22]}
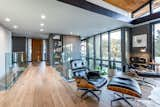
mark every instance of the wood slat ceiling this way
{"type": "Point", "coordinates": [128, 5]}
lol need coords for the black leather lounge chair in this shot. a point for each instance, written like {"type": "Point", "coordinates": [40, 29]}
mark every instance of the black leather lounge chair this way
{"type": "Point", "coordinates": [88, 81]}
{"type": "Point", "coordinates": [125, 86]}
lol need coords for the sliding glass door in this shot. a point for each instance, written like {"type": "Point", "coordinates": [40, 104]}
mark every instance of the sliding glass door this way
{"type": "Point", "coordinates": [157, 42]}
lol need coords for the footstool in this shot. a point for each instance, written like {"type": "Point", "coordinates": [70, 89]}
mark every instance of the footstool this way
{"type": "Point", "coordinates": [125, 86]}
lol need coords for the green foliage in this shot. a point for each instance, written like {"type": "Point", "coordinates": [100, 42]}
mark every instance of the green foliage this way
{"type": "Point", "coordinates": [103, 71]}
{"type": "Point", "coordinates": [98, 68]}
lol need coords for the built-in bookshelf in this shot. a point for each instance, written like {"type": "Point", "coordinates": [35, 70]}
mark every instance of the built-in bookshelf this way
{"type": "Point", "coordinates": [55, 49]}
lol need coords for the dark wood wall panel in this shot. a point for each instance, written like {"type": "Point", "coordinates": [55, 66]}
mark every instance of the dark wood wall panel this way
{"type": "Point", "coordinates": [143, 29]}
{"type": "Point", "coordinates": [18, 44]}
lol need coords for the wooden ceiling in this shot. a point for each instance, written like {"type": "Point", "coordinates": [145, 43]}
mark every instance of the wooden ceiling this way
{"type": "Point", "coordinates": [128, 5]}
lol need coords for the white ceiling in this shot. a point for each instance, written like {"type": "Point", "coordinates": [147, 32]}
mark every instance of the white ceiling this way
{"type": "Point", "coordinates": [60, 18]}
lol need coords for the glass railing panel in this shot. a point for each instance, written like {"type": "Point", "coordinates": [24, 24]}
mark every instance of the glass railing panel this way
{"type": "Point", "coordinates": [15, 64]}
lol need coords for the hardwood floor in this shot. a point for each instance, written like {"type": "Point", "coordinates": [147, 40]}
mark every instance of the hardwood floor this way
{"type": "Point", "coordinates": [41, 86]}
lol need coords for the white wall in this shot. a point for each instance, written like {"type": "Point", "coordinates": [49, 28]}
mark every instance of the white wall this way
{"type": "Point", "coordinates": [5, 47]}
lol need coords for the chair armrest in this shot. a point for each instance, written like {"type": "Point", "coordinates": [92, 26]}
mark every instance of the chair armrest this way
{"type": "Point", "coordinates": [83, 83]}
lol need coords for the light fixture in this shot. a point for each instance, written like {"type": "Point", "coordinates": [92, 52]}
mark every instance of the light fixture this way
{"type": "Point", "coordinates": [43, 16]}
{"type": "Point", "coordinates": [42, 24]}
{"type": "Point", "coordinates": [15, 26]}
{"type": "Point", "coordinates": [143, 49]}
{"type": "Point", "coordinates": [41, 30]}
{"type": "Point", "coordinates": [7, 19]}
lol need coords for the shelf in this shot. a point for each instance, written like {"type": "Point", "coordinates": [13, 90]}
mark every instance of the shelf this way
{"type": "Point", "coordinates": [57, 49]}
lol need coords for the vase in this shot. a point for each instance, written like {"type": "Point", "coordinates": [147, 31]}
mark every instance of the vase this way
{"type": "Point", "coordinates": [111, 72]}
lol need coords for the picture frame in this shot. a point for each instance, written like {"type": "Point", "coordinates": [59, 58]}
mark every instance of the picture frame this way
{"type": "Point", "coordinates": [139, 40]}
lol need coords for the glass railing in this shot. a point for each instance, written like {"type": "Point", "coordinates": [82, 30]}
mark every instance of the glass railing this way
{"type": "Point", "coordinates": [15, 64]}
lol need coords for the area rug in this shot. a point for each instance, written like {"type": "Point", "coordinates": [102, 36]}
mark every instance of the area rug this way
{"type": "Point", "coordinates": [153, 99]}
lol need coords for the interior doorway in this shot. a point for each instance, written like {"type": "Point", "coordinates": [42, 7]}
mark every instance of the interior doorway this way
{"type": "Point", "coordinates": [37, 46]}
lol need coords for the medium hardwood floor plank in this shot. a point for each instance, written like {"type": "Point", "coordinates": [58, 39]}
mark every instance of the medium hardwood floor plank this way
{"type": "Point", "coordinates": [42, 86]}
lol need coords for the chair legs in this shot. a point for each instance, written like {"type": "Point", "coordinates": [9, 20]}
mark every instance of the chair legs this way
{"type": "Point", "coordinates": [145, 83]}
{"type": "Point", "coordinates": [91, 92]}
{"type": "Point", "coordinates": [122, 97]}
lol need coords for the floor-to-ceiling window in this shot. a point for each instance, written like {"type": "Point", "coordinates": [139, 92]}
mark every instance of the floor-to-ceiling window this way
{"type": "Point", "coordinates": [115, 49]}
{"type": "Point", "coordinates": [105, 50]}
{"type": "Point", "coordinates": [115, 45]}
{"type": "Point", "coordinates": [83, 49]}
{"type": "Point", "coordinates": [91, 53]}
{"type": "Point", "coordinates": [98, 51]}
{"type": "Point", "coordinates": [157, 42]}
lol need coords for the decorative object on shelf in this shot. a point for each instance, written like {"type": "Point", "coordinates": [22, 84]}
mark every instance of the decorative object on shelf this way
{"type": "Point", "coordinates": [57, 49]}
{"type": "Point", "coordinates": [140, 40]}
{"type": "Point", "coordinates": [56, 37]}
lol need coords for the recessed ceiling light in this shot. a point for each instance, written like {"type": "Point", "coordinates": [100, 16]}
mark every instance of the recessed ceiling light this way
{"type": "Point", "coordinates": [43, 16]}
{"type": "Point", "coordinates": [7, 19]}
{"type": "Point", "coordinates": [41, 30]}
{"type": "Point", "coordinates": [15, 26]}
{"type": "Point", "coordinates": [42, 24]}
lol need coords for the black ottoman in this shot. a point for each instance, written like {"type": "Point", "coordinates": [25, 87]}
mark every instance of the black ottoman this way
{"type": "Point", "coordinates": [124, 86]}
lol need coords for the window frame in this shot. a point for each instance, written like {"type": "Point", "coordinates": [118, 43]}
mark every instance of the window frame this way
{"type": "Point", "coordinates": [140, 9]}
{"type": "Point", "coordinates": [101, 59]}
{"type": "Point", "coordinates": [150, 3]}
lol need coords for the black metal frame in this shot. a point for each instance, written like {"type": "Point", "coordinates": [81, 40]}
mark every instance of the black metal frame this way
{"type": "Point", "coordinates": [146, 18]}
{"type": "Point", "coordinates": [109, 50]}
{"type": "Point", "coordinates": [148, 3]}
{"type": "Point", "coordinates": [144, 83]}
{"type": "Point", "coordinates": [122, 97]}
{"type": "Point", "coordinates": [91, 91]}
{"type": "Point", "coordinates": [152, 29]}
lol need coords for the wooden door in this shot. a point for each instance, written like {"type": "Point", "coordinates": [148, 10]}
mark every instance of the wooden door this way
{"type": "Point", "coordinates": [36, 50]}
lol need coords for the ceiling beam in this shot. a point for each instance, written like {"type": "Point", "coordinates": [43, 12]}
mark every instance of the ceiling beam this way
{"type": "Point", "coordinates": [97, 9]}
{"type": "Point", "coordinates": [146, 18]}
